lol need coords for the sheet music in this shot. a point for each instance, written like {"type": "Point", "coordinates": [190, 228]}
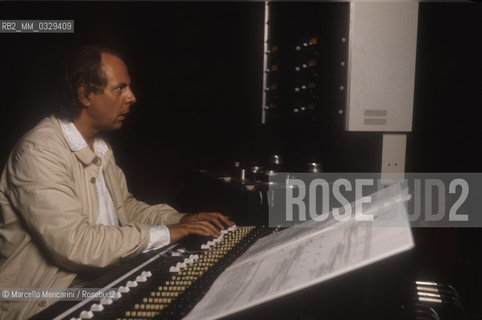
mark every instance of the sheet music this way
{"type": "Point", "coordinates": [388, 196]}
{"type": "Point", "coordinates": [314, 258]}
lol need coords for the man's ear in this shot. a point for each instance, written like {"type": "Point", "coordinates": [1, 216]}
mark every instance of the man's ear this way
{"type": "Point", "coordinates": [83, 95]}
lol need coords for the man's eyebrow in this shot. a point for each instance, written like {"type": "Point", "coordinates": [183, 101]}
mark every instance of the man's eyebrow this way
{"type": "Point", "coordinates": [120, 84]}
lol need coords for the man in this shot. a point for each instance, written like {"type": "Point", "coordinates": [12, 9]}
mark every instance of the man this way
{"type": "Point", "coordinates": [64, 203]}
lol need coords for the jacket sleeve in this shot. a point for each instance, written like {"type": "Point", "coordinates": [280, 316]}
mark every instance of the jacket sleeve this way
{"type": "Point", "coordinates": [40, 186]}
{"type": "Point", "coordinates": [142, 212]}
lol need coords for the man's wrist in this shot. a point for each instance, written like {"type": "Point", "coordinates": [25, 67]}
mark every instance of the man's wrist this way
{"type": "Point", "coordinates": [185, 217]}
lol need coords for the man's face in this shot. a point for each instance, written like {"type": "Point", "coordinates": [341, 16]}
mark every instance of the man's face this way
{"type": "Point", "coordinates": [109, 108]}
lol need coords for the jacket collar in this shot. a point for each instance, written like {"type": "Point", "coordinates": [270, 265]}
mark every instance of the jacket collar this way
{"type": "Point", "coordinates": [79, 146]}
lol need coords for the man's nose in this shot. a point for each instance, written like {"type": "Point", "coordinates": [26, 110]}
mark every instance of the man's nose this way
{"type": "Point", "coordinates": [131, 98]}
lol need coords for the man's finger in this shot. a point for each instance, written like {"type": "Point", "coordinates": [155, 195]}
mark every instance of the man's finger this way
{"type": "Point", "coordinates": [205, 226]}
{"type": "Point", "coordinates": [213, 218]}
{"type": "Point", "coordinates": [226, 220]}
{"type": "Point", "coordinates": [219, 219]}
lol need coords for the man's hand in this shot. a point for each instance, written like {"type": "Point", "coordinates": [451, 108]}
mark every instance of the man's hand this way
{"type": "Point", "coordinates": [203, 224]}
{"type": "Point", "coordinates": [216, 218]}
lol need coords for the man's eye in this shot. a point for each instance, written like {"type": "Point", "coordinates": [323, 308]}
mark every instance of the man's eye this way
{"type": "Point", "coordinates": [119, 89]}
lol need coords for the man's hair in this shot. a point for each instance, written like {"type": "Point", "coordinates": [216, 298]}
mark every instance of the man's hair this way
{"type": "Point", "coordinates": [82, 68]}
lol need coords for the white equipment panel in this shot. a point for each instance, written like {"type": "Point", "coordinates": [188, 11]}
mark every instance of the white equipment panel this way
{"type": "Point", "coordinates": [381, 74]}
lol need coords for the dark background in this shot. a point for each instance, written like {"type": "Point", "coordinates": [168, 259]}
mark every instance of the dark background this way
{"type": "Point", "coordinates": [196, 70]}
{"type": "Point", "coordinates": [197, 74]}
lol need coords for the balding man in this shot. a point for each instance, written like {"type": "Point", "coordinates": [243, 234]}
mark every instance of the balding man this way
{"type": "Point", "coordinates": [64, 203]}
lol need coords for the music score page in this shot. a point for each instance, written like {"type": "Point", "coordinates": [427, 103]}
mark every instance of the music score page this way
{"type": "Point", "coordinates": [302, 256]}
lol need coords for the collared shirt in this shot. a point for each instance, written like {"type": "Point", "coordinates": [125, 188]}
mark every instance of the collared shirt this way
{"type": "Point", "coordinates": [159, 235]}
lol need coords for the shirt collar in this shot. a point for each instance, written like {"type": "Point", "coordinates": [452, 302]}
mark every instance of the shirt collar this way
{"type": "Point", "coordinates": [76, 142]}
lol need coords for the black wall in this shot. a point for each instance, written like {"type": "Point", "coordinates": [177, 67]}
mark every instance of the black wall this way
{"type": "Point", "coordinates": [447, 118]}
{"type": "Point", "coordinates": [197, 74]}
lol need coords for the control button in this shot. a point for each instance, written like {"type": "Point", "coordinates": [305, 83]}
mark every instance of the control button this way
{"type": "Point", "coordinates": [96, 307]}
{"type": "Point", "coordinates": [123, 289]}
{"type": "Point", "coordinates": [141, 278]}
{"type": "Point", "coordinates": [86, 315]}
{"type": "Point", "coordinates": [174, 269]}
{"type": "Point", "coordinates": [106, 301]}
{"type": "Point", "coordinates": [146, 273]}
